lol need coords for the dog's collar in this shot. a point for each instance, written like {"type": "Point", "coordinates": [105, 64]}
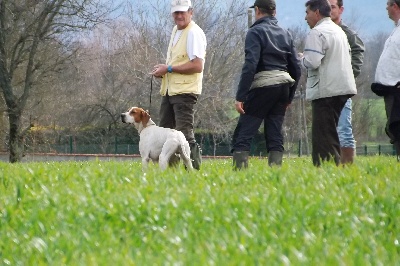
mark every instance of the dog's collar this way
{"type": "Point", "coordinates": [150, 123]}
{"type": "Point", "coordinates": [141, 127]}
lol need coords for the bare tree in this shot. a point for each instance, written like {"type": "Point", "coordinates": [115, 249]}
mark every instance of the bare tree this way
{"type": "Point", "coordinates": [142, 42]}
{"type": "Point", "coordinates": [29, 30]}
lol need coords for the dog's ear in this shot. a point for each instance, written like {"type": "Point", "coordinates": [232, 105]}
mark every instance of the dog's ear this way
{"type": "Point", "coordinates": [145, 118]}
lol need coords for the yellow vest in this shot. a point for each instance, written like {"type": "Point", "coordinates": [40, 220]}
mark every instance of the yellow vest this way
{"type": "Point", "coordinates": [176, 83]}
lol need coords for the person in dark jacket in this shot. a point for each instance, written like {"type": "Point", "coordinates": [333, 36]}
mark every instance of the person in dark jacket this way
{"type": "Point", "coordinates": [267, 85]}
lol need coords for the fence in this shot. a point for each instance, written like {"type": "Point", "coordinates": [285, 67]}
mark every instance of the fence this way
{"type": "Point", "coordinates": [209, 149]}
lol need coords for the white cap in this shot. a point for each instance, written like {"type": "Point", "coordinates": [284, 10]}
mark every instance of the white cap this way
{"type": "Point", "coordinates": [180, 5]}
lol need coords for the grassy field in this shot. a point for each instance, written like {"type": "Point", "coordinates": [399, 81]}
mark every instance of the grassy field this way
{"type": "Point", "coordinates": [110, 213]}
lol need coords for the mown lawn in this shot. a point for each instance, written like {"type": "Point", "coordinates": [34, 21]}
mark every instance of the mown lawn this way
{"type": "Point", "coordinates": [110, 213]}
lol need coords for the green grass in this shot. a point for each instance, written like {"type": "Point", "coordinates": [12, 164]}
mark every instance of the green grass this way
{"type": "Point", "coordinates": [110, 213]}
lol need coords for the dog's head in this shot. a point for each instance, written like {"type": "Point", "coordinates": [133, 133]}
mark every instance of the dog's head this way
{"type": "Point", "coordinates": [135, 115]}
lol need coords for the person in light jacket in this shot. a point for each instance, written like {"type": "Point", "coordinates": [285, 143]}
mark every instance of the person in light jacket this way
{"type": "Point", "coordinates": [330, 79]}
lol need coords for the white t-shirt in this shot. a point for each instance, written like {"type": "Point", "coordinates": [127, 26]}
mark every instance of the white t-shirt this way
{"type": "Point", "coordinates": [196, 42]}
{"type": "Point", "coordinates": [388, 68]}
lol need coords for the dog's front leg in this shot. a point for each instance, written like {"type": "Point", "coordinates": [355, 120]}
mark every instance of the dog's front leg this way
{"type": "Point", "coordinates": [145, 163]}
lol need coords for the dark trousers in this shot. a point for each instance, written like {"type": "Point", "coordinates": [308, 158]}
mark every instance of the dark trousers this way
{"type": "Point", "coordinates": [266, 104]}
{"type": "Point", "coordinates": [325, 118]}
{"type": "Point", "coordinates": [392, 106]}
{"type": "Point", "coordinates": [178, 112]}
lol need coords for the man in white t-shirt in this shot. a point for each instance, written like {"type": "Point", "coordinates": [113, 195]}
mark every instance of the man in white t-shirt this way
{"type": "Point", "coordinates": [182, 76]}
{"type": "Point", "coordinates": [387, 76]}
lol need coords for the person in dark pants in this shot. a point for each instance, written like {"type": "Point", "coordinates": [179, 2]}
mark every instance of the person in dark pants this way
{"type": "Point", "coordinates": [387, 76]}
{"type": "Point", "coordinates": [330, 79]}
{"type": "Point", "coordinates": [182, 77]}
{"type": "Point", "coordinates": [268, 82]}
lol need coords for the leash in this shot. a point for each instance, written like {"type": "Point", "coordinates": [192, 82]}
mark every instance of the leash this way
{"type": "Point", "coordinates": [151, 92]}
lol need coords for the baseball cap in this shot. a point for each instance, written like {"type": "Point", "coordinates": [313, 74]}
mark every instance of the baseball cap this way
{"type": "Point", "coordinates": [268, 4]}
{"type": "Point", "coordinates": [180, 5]}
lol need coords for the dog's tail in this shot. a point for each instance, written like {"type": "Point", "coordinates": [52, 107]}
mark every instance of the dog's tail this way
{"type": "Point", "coordinates": [185, 149]}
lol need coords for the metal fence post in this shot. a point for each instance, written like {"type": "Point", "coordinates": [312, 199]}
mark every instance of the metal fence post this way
{"type": "Point", "coordinates": [70, 144]}
{"type": "Point", "coordinates": [249, 17]}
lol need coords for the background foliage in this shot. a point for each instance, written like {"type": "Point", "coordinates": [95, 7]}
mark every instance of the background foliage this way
{"type": "Point", "coordinates": [99, 69]}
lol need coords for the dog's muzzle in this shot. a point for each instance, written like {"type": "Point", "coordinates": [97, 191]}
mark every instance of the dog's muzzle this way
{"type": "Point", "coordinates": [123, 118]}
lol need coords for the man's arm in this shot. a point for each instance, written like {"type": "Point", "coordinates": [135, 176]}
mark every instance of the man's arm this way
{"type": "Point", "coordinates": [357, 54]}
{"type": "Point", "coordinates": [357, 49]}
{"type": "Point", "coordinates": [252, 56]}
{"type": "Point", "coordinates": [191, 67]}
{"type": "Point", "coordinates": [294, 71]}
{"type": "Point", "coordinates": [314, 50]}
{"type": "Point", "coordinates": [196, 49]}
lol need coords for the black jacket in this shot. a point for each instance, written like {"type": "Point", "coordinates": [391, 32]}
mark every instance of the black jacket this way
{"type": "Point", "coordinates": [268, 47]}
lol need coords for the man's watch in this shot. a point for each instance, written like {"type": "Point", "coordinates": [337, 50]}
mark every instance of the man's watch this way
{"type": "Point", "coordinates": [169, 69]}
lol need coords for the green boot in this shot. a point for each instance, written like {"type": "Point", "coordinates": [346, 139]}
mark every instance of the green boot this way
{"type": "Point", "coordinates": [195, 155]}
{"type": "Point", "coordinates": [275, 158]}
{"type": "Point", "coordinates": [240, 159]}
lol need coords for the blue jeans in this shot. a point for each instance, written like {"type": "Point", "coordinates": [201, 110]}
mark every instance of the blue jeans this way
{"type": "Point", "coordinates": [344, 128]}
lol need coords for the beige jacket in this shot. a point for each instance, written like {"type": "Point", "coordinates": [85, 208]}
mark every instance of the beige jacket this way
{"type": "Point", "coordinates": [328, 62]}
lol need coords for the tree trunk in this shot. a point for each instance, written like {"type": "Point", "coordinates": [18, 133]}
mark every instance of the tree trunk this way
{"type": "Point", "coordinates": [16, 139]}
{"type": "Point", "coordinates": [303, 112]}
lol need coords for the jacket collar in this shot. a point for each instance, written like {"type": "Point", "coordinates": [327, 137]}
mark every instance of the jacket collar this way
{"type": "Point", "coordinates": [268, 19]}
{"type": "Point", "coordinates": [324, 20]}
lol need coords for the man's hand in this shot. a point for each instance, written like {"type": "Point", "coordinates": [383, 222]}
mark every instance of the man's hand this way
{"type": "Point", "coordinates": [239, 107]}
{"type": "Point", "coordinates": [159, 70]}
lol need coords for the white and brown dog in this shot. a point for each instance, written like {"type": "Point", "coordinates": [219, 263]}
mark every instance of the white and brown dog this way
{"type": "Point", "coordinates": [157, 143]}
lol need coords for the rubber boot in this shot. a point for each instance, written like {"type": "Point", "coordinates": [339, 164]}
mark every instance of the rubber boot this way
{"type": "Point", "coordinates": [275, 158]}
{"type": "Point", "coordinates": [240, 160]}
{"type": "Point", "coordinates": [195, 155]}
{"type": "Point", "coordinates": [174, 160]}
{"type": "Point", "coordinates": [346, 155]}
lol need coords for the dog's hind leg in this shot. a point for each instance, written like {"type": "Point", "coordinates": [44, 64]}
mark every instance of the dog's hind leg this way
{"type": "Point", "coordinates": [163, 161]}
{"type": "Point", "coordinates": [185, 155]}
{"type": "Point", "coordinates": [168, 150]}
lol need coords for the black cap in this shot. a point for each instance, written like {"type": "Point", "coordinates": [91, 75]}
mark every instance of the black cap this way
{"type": "Point", "coordinates": [268, 4]}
